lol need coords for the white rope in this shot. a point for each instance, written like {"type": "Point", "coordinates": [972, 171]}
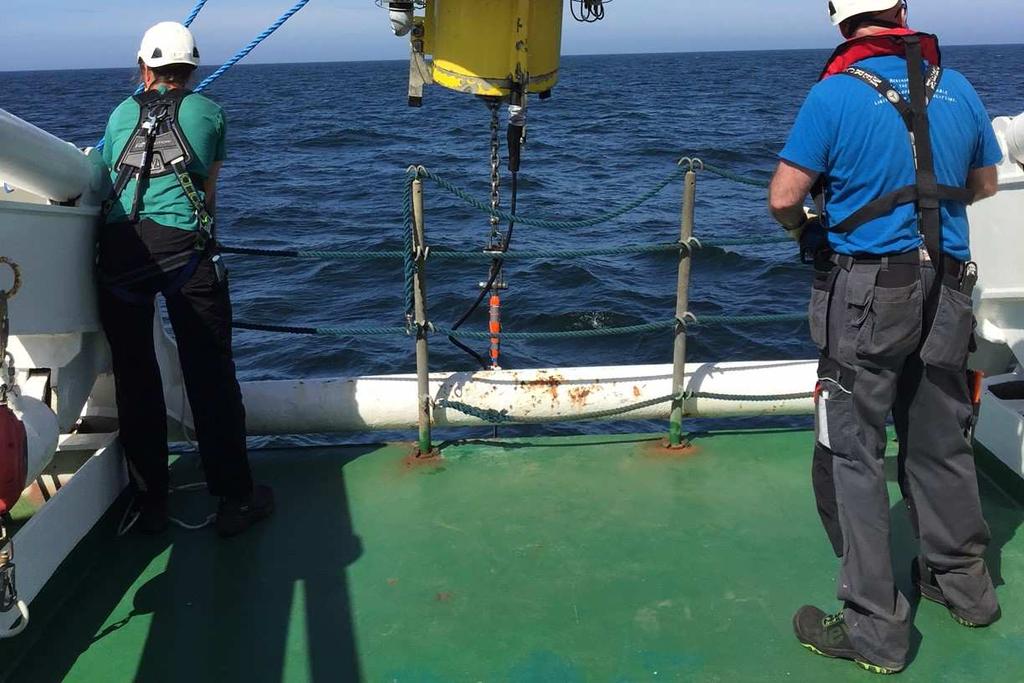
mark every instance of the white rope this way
{"type": "Point", "coordinates": [132, 512]}
{"type": "Point", "coordinates": [125, 526]}
{"type": "Point", "coordinates": [194, 527]}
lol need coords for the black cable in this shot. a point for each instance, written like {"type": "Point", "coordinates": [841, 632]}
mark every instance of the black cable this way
{"type": "Point", "coordinates": [587, 11]}
{"type": "Point", "coordinates": [496, 267]}
{"type": "Point", "coordinates": [511, 222]}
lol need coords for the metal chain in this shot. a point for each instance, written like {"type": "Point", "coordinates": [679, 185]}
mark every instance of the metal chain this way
{"type": "Point", "coordinates": [6, 362]}
{"type": "Point", "coordinates": [495, 240]}
{"type": "Point", "coordinates": [7, 383]}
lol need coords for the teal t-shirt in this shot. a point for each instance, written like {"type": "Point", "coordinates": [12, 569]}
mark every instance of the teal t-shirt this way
{"type": "Point", "coordinates": [163, 200]}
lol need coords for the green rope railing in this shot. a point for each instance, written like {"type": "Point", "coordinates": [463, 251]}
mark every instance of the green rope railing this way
{"type": "Point", "coordinates": [501, 417]}
{"type": "Point", "coordinates": [563, 334]}
{"type": "Point", "coordinates": [422, 172]}
{"type": "Point", "coordinates": [525, 255]}
{"type": "Point", "coordinates": [533, 254]}
{"type": "Point", "coordinates": [735, 177]}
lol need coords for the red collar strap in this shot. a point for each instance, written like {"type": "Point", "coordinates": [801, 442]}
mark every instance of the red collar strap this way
{"type": "Point", "coordinates": [884, 44]}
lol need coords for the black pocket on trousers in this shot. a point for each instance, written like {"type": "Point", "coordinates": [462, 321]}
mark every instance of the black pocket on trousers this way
{"type": "Point", "coordinates": [891, 327]}
{"type": "Point", "coordinates": [821, 294]}
{"type": "Point", "coordinates": [949, 340]}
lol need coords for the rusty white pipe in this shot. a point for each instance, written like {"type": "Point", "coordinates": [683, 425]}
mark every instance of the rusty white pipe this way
{"type": "Point", "coordinates": [550, 395]}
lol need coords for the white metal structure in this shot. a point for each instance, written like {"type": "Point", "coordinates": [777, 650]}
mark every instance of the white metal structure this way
{"type": "Point", "coordinates": [45, 165]}
{"type": "Point", "coordinates": [997, 240]}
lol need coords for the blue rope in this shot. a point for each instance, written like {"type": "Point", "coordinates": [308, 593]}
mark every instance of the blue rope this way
{"type": "Point", "coordinates": [195, 12]}
{"type": "Point", "coordinates": [240, 55]}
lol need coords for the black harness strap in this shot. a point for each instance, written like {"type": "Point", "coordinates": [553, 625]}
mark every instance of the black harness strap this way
{"type": "Point", "coordinates": [883, 206]}
{"type": "Point", "coordinates": [159, 147]}
{"type": "Point", "coordinates": [928, 200]}
{"type": "Point", "coordinates": [926, 193]}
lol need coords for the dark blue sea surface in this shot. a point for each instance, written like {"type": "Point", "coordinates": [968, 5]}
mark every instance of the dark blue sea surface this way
{"type": "Point", "coordinates": [317, 157]}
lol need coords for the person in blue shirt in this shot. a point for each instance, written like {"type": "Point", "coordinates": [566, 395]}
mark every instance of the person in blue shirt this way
{"type": "Point", "coordinates": [893, 148]}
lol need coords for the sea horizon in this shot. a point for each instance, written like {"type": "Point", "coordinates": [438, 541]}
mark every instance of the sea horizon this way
{"type": "Point", "coordinates": [255, 63]}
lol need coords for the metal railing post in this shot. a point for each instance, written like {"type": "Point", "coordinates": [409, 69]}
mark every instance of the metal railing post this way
{"type": "Point", "coordinates": [419, 241]}
{"type": "Point", "coordinates": [675, 433]}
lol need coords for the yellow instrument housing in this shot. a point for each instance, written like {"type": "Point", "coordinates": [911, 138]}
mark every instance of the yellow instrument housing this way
{"type": "Point", "coordinates": [487, 47]}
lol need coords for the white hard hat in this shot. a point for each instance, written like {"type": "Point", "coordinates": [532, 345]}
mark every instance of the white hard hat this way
{"type": "Point", "coordinates": [168, 43]}
{"type": "Point", "coordinates": [841, 10]}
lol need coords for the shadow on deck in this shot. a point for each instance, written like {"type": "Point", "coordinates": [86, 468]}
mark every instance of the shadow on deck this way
{"type": "Point", "coordinates": [569, 559]}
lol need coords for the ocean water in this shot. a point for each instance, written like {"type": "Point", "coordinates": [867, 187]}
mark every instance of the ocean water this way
{"type": "Point", "coordinates": [317, 154]}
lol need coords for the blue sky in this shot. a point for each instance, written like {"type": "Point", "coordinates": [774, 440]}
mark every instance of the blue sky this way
{"type": "Point", "coordinates": [49, 34]}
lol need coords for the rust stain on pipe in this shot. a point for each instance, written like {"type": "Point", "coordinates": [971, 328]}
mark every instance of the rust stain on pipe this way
{"type": "Point", "coordinates": [548, 384]}
{"type": "Point", "coordinates": [578, 396]}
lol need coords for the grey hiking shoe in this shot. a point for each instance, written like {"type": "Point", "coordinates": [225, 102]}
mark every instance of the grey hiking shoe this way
{"type": "Point", "coordinates": [235, 516]}
{"type": "Point", "coordinates": [930, 590]}
{"type": "Point", "coordinates": [827, 635]}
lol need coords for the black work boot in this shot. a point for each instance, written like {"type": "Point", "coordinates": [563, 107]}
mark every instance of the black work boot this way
{"type": "Point", "coordinates": [153, 516]}
{"type": "Point", "coordinates": [826, 635]}
{"type": "Point", "coordinates": [236, 515]}
{"type": "Point", "coordinates": [930, 590]}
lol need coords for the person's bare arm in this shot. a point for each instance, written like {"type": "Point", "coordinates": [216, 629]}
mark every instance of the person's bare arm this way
{"type": "Point", "coordinates": [789, 189]}
{"type": "Point", "coordinates": [210, 187]}
{"type": "Point", "coordinates": [983, 182]}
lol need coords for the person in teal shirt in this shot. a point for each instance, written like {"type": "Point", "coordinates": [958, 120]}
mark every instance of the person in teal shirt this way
{"type": "Point", "coordinates": [165, 148]}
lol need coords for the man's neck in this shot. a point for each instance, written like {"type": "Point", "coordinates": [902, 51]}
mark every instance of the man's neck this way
{"type": "Point", "coordinates": [865, 31]}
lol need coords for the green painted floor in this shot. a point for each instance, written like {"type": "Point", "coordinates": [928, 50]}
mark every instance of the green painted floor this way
{"type": "Point", "coordinates": [570, 559]}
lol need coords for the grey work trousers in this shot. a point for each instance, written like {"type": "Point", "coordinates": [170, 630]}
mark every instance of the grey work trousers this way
{"type": "Point", "coordinates": [886, 351]}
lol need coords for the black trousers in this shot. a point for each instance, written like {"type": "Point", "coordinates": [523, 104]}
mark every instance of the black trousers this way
{"type": "Point", "coordinates": [200, 314]}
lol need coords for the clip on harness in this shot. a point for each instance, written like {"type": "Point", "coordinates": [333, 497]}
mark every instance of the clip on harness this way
{"type": "Point", "coordinates": [158, 147]}
{"type": "Point", "coordinates": [926, 192]}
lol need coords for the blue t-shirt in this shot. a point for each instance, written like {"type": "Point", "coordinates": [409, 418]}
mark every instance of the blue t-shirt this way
{"type": "Point", "coordinates": [847, 130]}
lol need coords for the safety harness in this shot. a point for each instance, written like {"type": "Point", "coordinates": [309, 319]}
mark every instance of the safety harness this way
{"type": "Point", "coordinates": [158, 147]}
{"type": "Point", "coordinates": [926, 192]}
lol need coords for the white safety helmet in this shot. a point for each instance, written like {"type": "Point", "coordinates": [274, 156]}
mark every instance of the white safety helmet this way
{"type": "Point", "coordinates": [841, 10]}
{"type": "Point", "coordinates": [168, 43]}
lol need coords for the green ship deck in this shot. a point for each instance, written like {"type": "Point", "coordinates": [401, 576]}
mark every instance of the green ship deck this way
{"type": "Point", "coordinates": [555, 559]}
